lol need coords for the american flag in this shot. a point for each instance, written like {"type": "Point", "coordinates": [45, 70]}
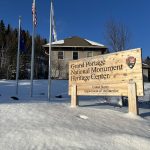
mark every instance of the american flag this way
{"type": "Point", "coordinates": [34, 13]}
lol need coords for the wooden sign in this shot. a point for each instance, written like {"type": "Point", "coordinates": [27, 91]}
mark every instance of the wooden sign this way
{"type": "Point", "coordinates": [107, 74]}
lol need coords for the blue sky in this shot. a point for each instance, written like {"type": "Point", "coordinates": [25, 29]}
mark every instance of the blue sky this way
{"type": "Point", "coordinates": [84, 18]}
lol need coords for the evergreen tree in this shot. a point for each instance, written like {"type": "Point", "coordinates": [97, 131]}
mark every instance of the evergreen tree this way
{"type": "Point", "coordinates": [8, 52]}
{"type": "Point", "coordinates": [2, 34]}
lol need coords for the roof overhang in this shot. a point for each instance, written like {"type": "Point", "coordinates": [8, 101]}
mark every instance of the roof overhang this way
{"type": "Point", "coordinates": [145, 66]}
{"type": "Point", "coordinates": [75, 42]}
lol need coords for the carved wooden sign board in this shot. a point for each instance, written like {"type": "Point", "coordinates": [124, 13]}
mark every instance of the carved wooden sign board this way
{"type": "Point", "coordinates": [107, 74]}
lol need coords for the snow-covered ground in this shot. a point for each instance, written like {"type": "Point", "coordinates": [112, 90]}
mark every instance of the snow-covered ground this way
{"type": "Point", "coordinates": [36, 124]}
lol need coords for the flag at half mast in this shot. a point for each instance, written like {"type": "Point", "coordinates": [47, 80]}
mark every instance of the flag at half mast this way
{"type": "Point", "coordinates": [34, 13]}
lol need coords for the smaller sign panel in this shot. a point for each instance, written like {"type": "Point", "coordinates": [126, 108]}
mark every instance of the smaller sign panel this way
{"type": "Point", "coordinates": [107, 74]}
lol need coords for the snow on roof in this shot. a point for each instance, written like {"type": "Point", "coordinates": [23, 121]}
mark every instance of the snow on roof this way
{"type": "Point", "coordinates": [76, 41]}
{"type": "Point", "coordinates": [94, 43]}
{"type": "Point", "coordinates": [146, 66]}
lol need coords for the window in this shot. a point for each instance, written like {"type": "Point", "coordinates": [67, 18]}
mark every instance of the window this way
{"type": "Point", "coordinates": [75, 55]}
{"type": "Point", "coordinates": [89, 54]}
{"type": "Point", "coordinates": [60, 55]}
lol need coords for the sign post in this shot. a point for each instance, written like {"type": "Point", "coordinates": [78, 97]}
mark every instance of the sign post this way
{"type": "Point", "coordinates": [74, 96]}
{"type": "Point", "coordinates": [132, 98]}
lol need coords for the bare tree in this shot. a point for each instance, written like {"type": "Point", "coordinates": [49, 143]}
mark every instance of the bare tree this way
{"type": "Point", "coordinates": [57, 68]}
{"type": "Point", "coordinates": [117, 36]}
{"type": "Point", "coordinates": [54, 68]}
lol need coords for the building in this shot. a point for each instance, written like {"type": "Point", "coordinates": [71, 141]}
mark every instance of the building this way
{"type": "Point", "coordinates": [72, 48]}
{"type": "Point", "coordinates": [146, 72]}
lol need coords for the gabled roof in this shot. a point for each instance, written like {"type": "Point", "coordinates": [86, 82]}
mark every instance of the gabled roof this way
{"type": "Point", "coordinates": [76, 42]}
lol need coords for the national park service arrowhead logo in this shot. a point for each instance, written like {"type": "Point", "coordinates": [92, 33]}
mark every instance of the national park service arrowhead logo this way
{"type": "Point", "coordinates": [130, 61]}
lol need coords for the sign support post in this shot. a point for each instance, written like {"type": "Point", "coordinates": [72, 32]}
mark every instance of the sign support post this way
{"type": "Point", "coordinates": [74, 95]}
{"type": "Point", "coordinates": [132, 98]}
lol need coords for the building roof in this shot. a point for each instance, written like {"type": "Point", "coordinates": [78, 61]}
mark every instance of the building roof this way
{"type": "Point", "coordinates": [145, 66]}
{"type": "Point", "coordinates": [76, 42]}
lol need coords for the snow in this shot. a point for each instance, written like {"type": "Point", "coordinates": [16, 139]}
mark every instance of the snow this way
{"type": "Point", "coordinates": [62, 42]}
{"type": "Point", "coordinates": [36, 124]}
{"type": "Point", "coordinates": [94, 43]}
{"type": "Point", "coordinates": [83, 117]}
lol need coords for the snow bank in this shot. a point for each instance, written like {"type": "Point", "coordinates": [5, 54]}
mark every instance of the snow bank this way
{"type": "Point", "coordinates": [57, 126]}
{"type": "Point", "coordinates": [36, 124]}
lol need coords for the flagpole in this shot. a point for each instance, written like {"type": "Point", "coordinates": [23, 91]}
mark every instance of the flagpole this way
{"type": "Point", "coordinates": [18, 55]}
{"type": "Point", "coordinates": [32, 56]}
{"type": "Point", "coordinates": [50, 47]}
